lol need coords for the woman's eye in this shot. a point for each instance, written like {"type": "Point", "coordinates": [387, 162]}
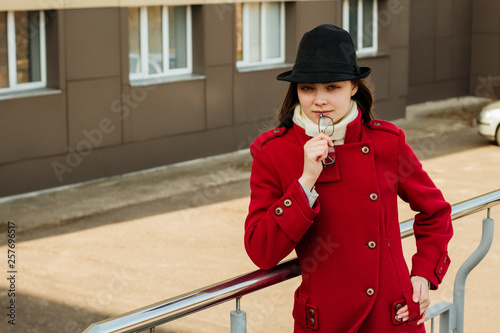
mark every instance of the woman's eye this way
{"type": "Point", "coordinates": [305, 88]}
{"type": "Point", "coordinates": [332, 87]}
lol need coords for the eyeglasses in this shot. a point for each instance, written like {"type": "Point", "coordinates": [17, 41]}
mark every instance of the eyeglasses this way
{"type": "Point", "coordinates": [325, 125]}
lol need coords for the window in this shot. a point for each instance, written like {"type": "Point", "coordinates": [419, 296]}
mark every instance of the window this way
{"type": "Point", "coordinates": [360, 19]}
{"type": "Point", "coordinates": [260, 33]}
{"type": "Point", "coordinates": [22, 50]}
{"type": "Point", "coordinates": [159, 41]}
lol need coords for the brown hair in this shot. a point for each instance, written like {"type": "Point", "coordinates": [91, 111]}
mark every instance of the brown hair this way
{"type": "Point", "coordinates": [363, 98]}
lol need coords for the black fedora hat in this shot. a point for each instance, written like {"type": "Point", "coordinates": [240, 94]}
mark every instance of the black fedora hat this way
{"type": "Point", "coordinates": [325, 54]}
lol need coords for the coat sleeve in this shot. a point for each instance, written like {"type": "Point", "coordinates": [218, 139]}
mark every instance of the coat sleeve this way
{"type": "Point", "coordinates": [432, 228]}
{"type": "Point", "coordinates": [277, 218]}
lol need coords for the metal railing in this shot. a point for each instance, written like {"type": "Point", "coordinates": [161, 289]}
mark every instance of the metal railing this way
{"type": "Point", "coordinates": [451, 314]}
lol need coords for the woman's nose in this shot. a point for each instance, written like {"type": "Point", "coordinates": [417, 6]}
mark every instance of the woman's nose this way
{"type": "Point", "coordinates": [319, 99]}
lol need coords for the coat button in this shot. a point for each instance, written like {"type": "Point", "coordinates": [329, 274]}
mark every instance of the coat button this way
{"type": "Point", "coordinates": [373, 197]}
{"type": "Point", "coordinates": [277, 130]}
{"type": "Point", "coordinates": [398, 306]}
{"type": "Point", "coordinates": [310, 312]}
{"type": "Point", "coordinates": [365, 150]}
{"type": "Point", "coordinates": [440, 270]}
{"type": "Point", "coordinates": [372, 244]}
{"type": "Point", "coordinates": [376, 123]}
{"type": "Point", "coordinates": [311, 322]}
{"type": "Point", "coordinates": [278, 211]}
{"type": "Point", "coordinates": [370, 291]}
{"type": "Point", "coordinates": [287, 202]}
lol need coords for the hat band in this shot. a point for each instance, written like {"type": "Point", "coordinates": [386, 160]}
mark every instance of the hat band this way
{"type": "Point", "coordinates": [328, 67]}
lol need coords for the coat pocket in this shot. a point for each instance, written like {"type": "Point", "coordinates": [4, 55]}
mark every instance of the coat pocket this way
{"type": "Point", "coordinates": [305, 314]}
{"type": "Point", "coordinates": [413, 308]}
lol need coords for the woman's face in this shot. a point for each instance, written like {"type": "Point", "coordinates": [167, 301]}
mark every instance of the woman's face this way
{"type": "Point", "coordinates": [329, 99]}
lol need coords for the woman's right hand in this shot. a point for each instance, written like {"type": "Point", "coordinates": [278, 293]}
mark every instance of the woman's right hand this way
{"type": "Point", "coordinates": [315, 151]}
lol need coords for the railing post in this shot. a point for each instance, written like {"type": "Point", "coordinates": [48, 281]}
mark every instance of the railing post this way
{"type": "Point", "coordinates": [238, 319]}
{"type": "Point", "coordinates": [467, 266]}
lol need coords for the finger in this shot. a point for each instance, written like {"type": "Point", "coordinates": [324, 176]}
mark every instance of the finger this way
{"type": "Point", "coordinates": [424, 317]}
{"type": "Point", "coordinates": [417, 288]}
{"type": "Point", "coordinates": [316, 143]}
{"type": "Point", "coordinates": [403, 309]}
{"type": "Point", "coordinates": [424, 306]}
{"type": "Point", "coordinates": [404, 315]}
{"type": "Point", "coordinates": [317, 153]}
{"type": "Point", "coordinates": [323, 136]}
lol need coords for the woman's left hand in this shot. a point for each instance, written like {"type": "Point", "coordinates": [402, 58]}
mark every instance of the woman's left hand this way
{"type": "Point", "coordinates": [420, 295]}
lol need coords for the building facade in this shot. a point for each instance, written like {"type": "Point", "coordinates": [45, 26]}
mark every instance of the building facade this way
{"type": "Point", "coordinates": [94, 89]}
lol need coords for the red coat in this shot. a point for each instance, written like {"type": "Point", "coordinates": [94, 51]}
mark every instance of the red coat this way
{"type": "Point", "coordinates": [348, 244]}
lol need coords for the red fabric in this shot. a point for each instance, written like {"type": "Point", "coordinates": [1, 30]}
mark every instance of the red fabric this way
{"type": "Point", "coordinates": [357, 204]}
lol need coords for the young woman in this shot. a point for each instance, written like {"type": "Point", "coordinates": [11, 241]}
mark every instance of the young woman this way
{"type": "Point", "coordinates": [325, 183]}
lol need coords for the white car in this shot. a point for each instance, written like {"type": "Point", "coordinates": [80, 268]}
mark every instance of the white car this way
{"type": "Point", "coordinates": [488, 122]}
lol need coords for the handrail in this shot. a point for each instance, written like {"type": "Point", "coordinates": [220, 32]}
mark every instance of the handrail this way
{"type": "Point", "coordinates": [191, 302]}
{"type": "Point", "coordinates": [180, 306]}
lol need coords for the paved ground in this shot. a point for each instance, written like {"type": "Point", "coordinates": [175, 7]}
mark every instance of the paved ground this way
{"type": "Point", "coordinates": [86, 253]}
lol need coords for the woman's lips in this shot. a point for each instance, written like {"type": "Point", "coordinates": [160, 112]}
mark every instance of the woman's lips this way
{"type": "Point", "coordinates": [324, 113]}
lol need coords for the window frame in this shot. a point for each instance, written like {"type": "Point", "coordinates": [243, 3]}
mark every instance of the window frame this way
{"type": "Point", "coordinates": [12, 55]}
{"type": "Point", "coordinates": [144, 46]}
{"type": "Point", "coordinates": [246, 26]}
{"type": "Point", "coordinates": [360, 50]}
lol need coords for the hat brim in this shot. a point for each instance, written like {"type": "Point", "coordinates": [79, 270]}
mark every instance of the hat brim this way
{"type": "Point", "coordinates": [322, 77]}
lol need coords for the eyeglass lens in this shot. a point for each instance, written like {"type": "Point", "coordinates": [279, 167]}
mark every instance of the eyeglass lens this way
{"type": "Point", "coordinates": [326, 125]}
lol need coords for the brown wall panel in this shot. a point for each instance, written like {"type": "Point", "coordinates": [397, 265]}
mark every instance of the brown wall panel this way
{"type": "Point", "coordinates": [390, 109]}
{"type": "Point", "coordinates": [422, 52]}
{"type": "Point", "coordinates": [379, 77]}
{"type": "Point", "coordinates": [435, 90]}
{"type": "Point", "coordinates": [219, 96]}
{"type": "Point", "coordinates": [312, 13]}
{"type": "Point", "coordinates": [160, 110]}
{"type": "Point", "coordinates": [485, 51]}
{"type": "Point", "coordinates": [258, 95]}
{"type": "Point", "coordinates": [443, 59]}
{"type": "Point", "coordinates": [485, 14]}
{"type": "Point", "coordinates": [398, 74]}
{"type": "Point", "coordinates": [219, 34]}
{"type": "Point", "coordinates": [92, 115]}
{"type": "Point", "coordinates": [68, 168]}
{"type": "Point", "coordinates": [445, 14]}
{"type": "Point", "coordinates": [31, 127]}
{"type": "Point", "coordinates": [54, 35]}
{"type": "Point", "coordinates": [92, 43]}
{"type": "Point", "coordinates": [439, 49]}
{"type": "Point", "coordinates": [485, 48]}
{"type": "Point", "coordinates": [393, 27]}
{"type": "Point", "coordinates": [423, 19]}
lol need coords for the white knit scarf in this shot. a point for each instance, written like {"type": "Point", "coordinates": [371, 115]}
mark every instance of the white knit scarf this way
{"type": "Point", "coordinates": [311, 128]}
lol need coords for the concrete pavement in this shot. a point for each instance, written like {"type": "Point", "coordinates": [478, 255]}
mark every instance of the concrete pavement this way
{"type": "Point", "coordinates": [107, 247]}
